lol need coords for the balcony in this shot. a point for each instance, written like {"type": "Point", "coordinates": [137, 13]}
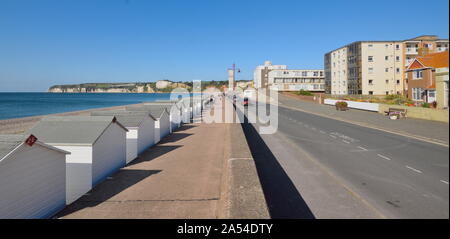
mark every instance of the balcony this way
{"type": "Point", "coordinates": [411, 51]}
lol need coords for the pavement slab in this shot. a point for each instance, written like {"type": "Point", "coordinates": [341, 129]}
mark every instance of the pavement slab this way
{"type": "Point", "coordinates": [178, 178]}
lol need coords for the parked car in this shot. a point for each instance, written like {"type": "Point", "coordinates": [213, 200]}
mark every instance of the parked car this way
{"type": "Point", "coordinates": [245, 101]}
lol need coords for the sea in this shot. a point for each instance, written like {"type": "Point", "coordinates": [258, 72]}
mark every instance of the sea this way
{"type": "Point", "coordinates": [17, 105]}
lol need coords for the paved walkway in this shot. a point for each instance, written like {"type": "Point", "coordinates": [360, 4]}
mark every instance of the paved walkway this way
{"type": "Point", "coordinates": [178, 178]}
{"type": "Point", "coordinates": [432, 130]}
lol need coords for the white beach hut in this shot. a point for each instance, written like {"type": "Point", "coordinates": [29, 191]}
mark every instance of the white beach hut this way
{"type": "Point", "coordinates": [160, 113]}
{"type": "Point", "coordinates": [97, 145]}
{"type": "Point", "coordinates": [32, 178]}
{"type": "Point", "coordinates": [141, 129]}
{"type": "Point", "coordinates": [174, 112]}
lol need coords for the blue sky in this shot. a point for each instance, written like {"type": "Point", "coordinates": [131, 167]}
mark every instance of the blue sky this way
{"type": "Point", "coordinates": [44, 42]}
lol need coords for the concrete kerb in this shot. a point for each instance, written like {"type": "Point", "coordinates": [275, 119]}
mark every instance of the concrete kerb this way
{"type": "Point", "coordinates": [242, 196]}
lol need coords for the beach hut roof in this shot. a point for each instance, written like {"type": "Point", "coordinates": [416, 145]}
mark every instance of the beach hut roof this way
{"type": "Point", "coordinates": [125, 117]}
{"type": "Point", "coordinates": [63, 130]}
{"type": "Point", "coordinates": [9, 142]}
{"type": "Point", "coordinates": [155, 110]}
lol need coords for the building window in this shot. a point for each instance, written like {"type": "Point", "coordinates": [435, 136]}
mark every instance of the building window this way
{"type": "Point", "coordinates": [386, 58]}
{"type": "Point", "coordinates": [387, 81]}
{"type": "Point", "coordinates": [316, 73]}
{"type": "Point", "coordinates": [370, 82]}
{"type": "Point", "coordinates": [370, 59]}
{"type": "Point", "coordinates": [417, 93]}
{"type": "Point", "coordinates": [417, 74]}
{"type": "Point", "coordinates": [370, 45]}
{"type": "Point", "coordinates": [370, 92]}
{"type": "Point", "coordinates": [370, 70]}
{"type": "Point", "coordinates": [387, 69]}
{"type": "Point", "coordinates": [304, 73]}
{"type": "Point", "coordinates": [387, 92]}
{"type": "Point", "coordinates": [397, 70]}
{"type": "Point", "coordinates": [397, 47]}
{"type": "Point", "coordinates": [398, 82]}
{"type": "Point", "coordinates": [397, 58]}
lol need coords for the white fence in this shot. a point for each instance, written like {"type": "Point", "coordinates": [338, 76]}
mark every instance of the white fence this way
{"type": "Point", "coordinates": [355, 105]}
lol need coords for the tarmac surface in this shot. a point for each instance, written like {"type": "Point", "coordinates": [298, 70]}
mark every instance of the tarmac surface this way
{"type": "Point", "coordinates": [320, 167]}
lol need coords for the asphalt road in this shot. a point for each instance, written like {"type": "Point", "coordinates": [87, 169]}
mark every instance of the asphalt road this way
{"type": "Point", "coordinates": [333, 169]}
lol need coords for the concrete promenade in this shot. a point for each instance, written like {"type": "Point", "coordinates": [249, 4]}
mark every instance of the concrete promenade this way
{"type": "Point", "coordinates": [178, 178]}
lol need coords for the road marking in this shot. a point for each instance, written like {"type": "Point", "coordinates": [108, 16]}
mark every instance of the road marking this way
{"type": "Point", "coordinates": [413, 169]}
{"type": "Point", "coordinates": [345, 141]}
{"type": "Point", "coordinates": [362, 148]}
{"type": "Point", "coordinates": [332, 136]}
{"type": "Point", "coordinates": [382, 156]}
{"type": "Point", "coordinates": [444, 182]}
{"type": "Point", "coordinates": [313, 128]}
{"type": "Point", "coordinates": [322, 132]}
{"type": "Point", "coordinates": [404, 134]}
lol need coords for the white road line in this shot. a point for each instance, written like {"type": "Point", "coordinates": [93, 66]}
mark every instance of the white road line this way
{"type": "Point", "coordinates": [345, 141]}
{"type": "Point", "coordinates": [413, 169]}
{"type": "Point", "coordinates": [444, 182]}
{"type": "Point", "coordinates": [313, 128]}
{"type": "Point", "coordinates": [332, 136]}
{"type": "Point", "coordinates": [322, 132]}
{"type": "Point", "coordinates": [362, 148]}
{"type": "Point", "coordinates": [382, 156]}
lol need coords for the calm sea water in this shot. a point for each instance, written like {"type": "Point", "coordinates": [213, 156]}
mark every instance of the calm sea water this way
{"type": "Point", "coordinates": [16, 105]}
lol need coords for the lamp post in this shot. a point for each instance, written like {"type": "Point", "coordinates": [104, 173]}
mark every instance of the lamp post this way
{"type": "Point", "coordinates": [233, 79]}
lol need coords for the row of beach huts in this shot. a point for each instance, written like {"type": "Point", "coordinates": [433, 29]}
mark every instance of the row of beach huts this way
{"type": "Point", "coordinates": [61, 158]}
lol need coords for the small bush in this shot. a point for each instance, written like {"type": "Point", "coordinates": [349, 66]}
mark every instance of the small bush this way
{"type": "Point", "coordinates": [426, 105]}
{"type": "Point", "coordinates": [341, 104]}
{"type": "Point", "coordinates": [304, 92]}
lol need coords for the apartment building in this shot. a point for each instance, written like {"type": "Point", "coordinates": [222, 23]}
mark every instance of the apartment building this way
{"type": "Point", "coordinates": [295, 80]}
{"type": "Point", "coordinates": [261, 74]}
{"type": "Point", "coordinates": [376, 67]}
{"type": "Point", "coordinates": [336, 72]}
{"type": "Point", "coordinates": [365, 67]}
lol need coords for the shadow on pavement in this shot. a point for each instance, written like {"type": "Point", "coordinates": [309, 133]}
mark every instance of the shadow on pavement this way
{"type": "Point", "coordinates": [174, 137]}
{"type": "Point", "coordinates": [185, 127]}
{"type": "Point", "coordinates": [283, 198]}
{"type": "Point", "coordinates": [118, 182]}
{"type": "Point", "coordinates": [153, 153]}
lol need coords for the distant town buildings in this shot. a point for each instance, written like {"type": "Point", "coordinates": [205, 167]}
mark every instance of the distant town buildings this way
{"type": "Point", "coordinates": [261, 74]}
{"type": "Point", "coordinates": [376, 67]}
{"type": "Point", "coordinates": [295, 80]}
{"type": "Point", "coordinates": [278, 77]}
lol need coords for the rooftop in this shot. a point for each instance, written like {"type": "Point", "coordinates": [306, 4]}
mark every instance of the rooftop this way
{"type": "Point", "coordinates": [125, 117]}
{"type": "Point", "coordinates": [9, 143]}
{"type": "Point", "coordinates": [434, 60]}
{"type": "Point", "coordinates": [155, 110]}
{"type": "Point", "coordinates": [72, 129]}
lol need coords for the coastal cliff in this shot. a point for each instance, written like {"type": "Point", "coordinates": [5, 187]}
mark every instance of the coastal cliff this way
{"type": "Point", "coordinates": [139, 87]}
{"type": "Point", "coordinates": [162, 86]}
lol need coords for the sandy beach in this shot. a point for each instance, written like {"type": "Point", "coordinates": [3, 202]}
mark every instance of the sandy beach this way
{"type": "Point", "coordinates": [20, 125]}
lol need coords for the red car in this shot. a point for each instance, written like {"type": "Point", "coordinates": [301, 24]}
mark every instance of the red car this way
{"type": "Point", "coordinates": [245, 101]}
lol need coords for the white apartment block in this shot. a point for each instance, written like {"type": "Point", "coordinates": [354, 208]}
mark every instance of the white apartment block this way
{"type": "Point", "coordinates": [376, 67]}
{"type": "Point", "coordinates": [368, 68]}
{"type": "Point", "coordinates": [336, 76]}
{"type": "Point", "coordinates": [261, 74]}
{"type": "Point", "coordinates": [295, 80]}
